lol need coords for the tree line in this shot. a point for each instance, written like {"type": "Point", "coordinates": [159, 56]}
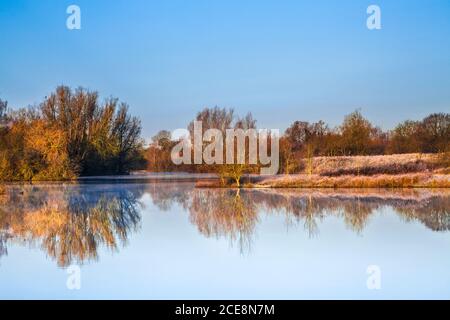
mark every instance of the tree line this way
{"type": "Point", "coordinates": [304, 140]}
{"type": "Point", "coordinates": [70, 134]}
{"type": "Point", "coordinates": [67, 135]}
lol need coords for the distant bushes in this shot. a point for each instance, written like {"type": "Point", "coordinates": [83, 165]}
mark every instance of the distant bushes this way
{"type": "Point", "coordinates": [67, 135]}
{"type": "Point", "coordinates": [431, 135]}
{"type": "Point", "coordinates": [303, 142]}
{"type": "Point", "coordinates": [357, 136]}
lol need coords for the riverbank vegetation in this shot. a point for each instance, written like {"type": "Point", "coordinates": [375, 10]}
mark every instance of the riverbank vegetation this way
{"type": "Point", "coordinates": [158, 154]}
{"type": "Point", "coordinates": [71, 134]}
{"type": "Point", "coordinates": [411, 180]}
{"type": "Point", "coordinates": [68, 134]}
{"type": "Point", "coordinates": [354, 148]}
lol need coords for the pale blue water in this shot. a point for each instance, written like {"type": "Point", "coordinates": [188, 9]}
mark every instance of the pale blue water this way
{"type": "Point", "coordinates": [171, 241]}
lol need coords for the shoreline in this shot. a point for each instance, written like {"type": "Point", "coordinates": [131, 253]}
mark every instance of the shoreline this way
{"type": "Point", "coordinates": [416, 180]}
{"type": "Point", "coordinates": [304, 181]}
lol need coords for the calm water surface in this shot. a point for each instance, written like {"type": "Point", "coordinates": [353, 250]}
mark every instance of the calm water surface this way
{"type": "Point", "coordinates": [172, 241]}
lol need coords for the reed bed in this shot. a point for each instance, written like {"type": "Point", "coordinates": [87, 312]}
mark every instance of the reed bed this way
{"type": "Point", "coordinates": [376, 165]}
{"type": "Point", "coordinates": [415, 180]}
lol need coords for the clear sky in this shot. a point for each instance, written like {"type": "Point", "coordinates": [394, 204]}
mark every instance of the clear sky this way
{"type": "Point", "coordinates": [282, 60]}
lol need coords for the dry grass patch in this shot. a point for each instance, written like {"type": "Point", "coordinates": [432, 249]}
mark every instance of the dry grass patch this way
{"type": "Point", "coordinates": [417, 180]}
{"type": "Point", "coordinates": [376, 165]}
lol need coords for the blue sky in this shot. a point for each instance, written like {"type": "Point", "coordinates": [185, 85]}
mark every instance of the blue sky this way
{"type": "Point", "coordinates": [282, 60]}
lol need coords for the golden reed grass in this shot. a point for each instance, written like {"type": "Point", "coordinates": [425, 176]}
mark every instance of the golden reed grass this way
{"type": "Point", "coordinates": [410, 180]}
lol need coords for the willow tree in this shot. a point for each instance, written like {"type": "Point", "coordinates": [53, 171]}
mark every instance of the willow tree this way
{"type": "Point", "coordinates": [100, 138]}
{"type": "Point", "coordinates": [222, 119]}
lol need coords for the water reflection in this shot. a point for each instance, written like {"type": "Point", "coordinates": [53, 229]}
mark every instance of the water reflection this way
{"type": "Point", "coordinates": [229, 213]}
{"type": "Point", "coordinates": [71, 222]}
{"type": "Point", "coordinates": [234, 213]}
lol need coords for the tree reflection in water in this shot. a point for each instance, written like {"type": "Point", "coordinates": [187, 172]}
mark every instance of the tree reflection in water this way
{"type": "Point", "coordinates": [225, 212]}
{"type": "Point", "coordinates": [234, 213]}
{"type": "Point", "coordinates": [71, 222]}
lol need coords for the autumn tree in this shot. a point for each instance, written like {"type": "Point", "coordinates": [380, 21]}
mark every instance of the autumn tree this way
{"type": "Point", "coordinates": [430, 135]}
{"type": "Point", "coordinates": [162, 138]}
{"type": "Point", "coordinates": [101, 139]}
{"type": "Point", "coordinates": [306, 140]}
{"type": "Point", "coordinates": [158, 153]}
{"type": "Point", "coordinates": [405, 138]}
{"type": "Point", "coordinates": [75, 113]}
{"type": "Point", "coordinates": [3, 108]}
{"type": "Point", "coordinates": [213, 118]}
{"type": "Point", "coordinates": [3, 122]}
{"type": "Point", "coordinates": [69, 134]}
{"type": "Point", "coordinates": [288, 163]}
{"type": "Point", "coordinates": [356, 134]}
{"type": "Point", "coordinates": [14, 159]}
{"type": "Point", "coordinates": [126, 139]}
{"type": "Point", "coordinates": [48, 146]}
{"type": "Point", "coordinates": [223, 119]}
{"type": "Point", "coordinates": [298, 134]}
{"type": "Point", "coordinates": [5, 164]}
{"type": "Point", "coordinates": [239, 167]}
{"type": "Point", "coordinates": [435, 133]}
{"type": "Point", "coordinates": [302, 134]}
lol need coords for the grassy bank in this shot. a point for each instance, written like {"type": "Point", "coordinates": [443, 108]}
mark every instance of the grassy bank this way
{"type": "Point", "coordinates": [416, 180]}
{"type": "Point", "coordinates": [375, 165]}
{"type": "Point", "coordinates": [388, 171]}
{"type": "Point", "coordinates": [385, 171]}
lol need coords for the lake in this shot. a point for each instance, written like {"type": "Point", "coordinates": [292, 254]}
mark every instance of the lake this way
{"type": "Point", "coordinates": [170, 240]}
